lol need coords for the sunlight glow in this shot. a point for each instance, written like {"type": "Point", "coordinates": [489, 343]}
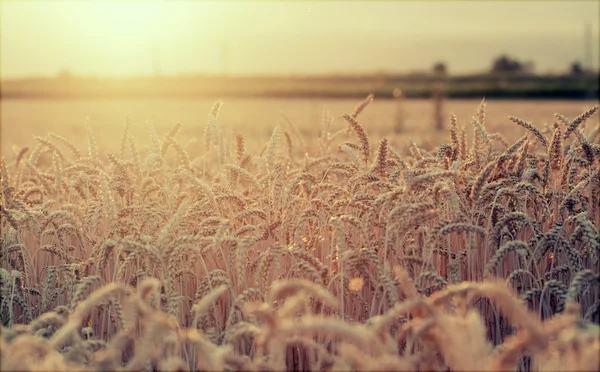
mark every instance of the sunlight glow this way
{"type": "Point", "coordinates": [133, 37]}
{"type": "Point", "coordinates": [127, 21]}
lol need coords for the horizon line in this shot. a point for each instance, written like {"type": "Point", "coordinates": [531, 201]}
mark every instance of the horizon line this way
{"type": "Point", "coordinates": [61, 75]}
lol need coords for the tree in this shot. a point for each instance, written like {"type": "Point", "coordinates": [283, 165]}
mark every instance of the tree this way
{"type": "Point", "coordinates": [576, 68]}
{"type": "Point", "coordinates": [439, 68]}
{"type": "Point", "coordinates": [506, 64]}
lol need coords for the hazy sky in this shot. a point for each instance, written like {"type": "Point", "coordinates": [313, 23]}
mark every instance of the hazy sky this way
{"type": "Point", "coordinates": [120, 38]}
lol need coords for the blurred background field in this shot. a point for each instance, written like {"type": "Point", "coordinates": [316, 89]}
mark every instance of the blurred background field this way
{"type": "Point", "coordinates": [23, 119]}
{"type": "Point", "coordinates": [506, 84]}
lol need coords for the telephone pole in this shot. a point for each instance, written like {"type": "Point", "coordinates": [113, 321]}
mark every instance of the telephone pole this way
{"type": "Point", "coordinates": [587, 48]}
{"type": "Point", "coordinates": [155, 59]}
{"type": "Point", "coordinates": [224, 58]}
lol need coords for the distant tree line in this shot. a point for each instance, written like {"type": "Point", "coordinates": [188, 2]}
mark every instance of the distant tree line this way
{"type": "Point", "coordinates": [505, 64]}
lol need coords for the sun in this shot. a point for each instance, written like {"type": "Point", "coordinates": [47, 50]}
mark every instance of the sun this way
{"type": "Point", "coordinates": [123, 36]}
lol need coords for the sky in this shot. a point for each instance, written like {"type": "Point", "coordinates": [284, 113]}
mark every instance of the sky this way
{"type": "Point", "coordinates": [145, 37]}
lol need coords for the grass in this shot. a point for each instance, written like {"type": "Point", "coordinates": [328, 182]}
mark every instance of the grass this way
{"type": "Point", "coordinates": [324, 252]}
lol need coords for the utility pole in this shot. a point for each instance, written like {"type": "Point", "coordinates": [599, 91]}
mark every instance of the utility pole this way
{"type": "Point", "coordinates": [224, 58]}
{"type": "Point", "coordinates": [155, 59]}
{"type": "Point", "coordinates": [587, 48]}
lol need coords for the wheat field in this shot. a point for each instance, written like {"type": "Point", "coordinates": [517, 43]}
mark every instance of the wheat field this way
{"type": "Point", "coordinates": [320, 250]}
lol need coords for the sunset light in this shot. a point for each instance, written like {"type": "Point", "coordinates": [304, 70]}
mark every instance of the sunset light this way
{"type": "Point", "coordinates": [299, 185]}
{"type": "Point", "coordinates": [138, 37]}
{"type": "Point", "coordinates": [125, 22]}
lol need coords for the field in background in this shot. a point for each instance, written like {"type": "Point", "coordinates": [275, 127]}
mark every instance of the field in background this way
{"type": "Point", "coordinates": [417, 85]}
{"type": "Point", "coordinates": [256, 118]}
